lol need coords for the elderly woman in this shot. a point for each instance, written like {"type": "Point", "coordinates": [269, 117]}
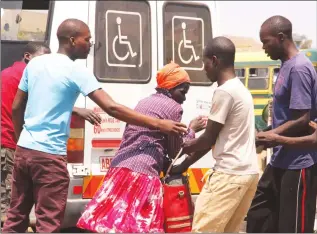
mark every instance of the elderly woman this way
{"type": "Point", "coordinates": [131, 198]}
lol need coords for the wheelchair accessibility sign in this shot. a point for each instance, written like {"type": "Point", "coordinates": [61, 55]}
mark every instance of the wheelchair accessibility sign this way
{"type": "Point", "coordinates": [187, 42]}
{"type": "Point", "coordinates": [124, 46]}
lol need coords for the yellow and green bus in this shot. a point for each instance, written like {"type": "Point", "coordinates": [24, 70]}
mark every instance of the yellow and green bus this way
{"type": "Point", "coordinates": [258, 73]}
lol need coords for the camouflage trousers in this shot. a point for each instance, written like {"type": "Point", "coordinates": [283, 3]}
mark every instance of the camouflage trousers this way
{"type": "Point", "coordinates": [7, 156]}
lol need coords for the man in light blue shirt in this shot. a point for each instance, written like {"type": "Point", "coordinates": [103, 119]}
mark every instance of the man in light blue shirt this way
{"type": "Point", "coordinates": [41, 115]}
{"type": "Point", "coordinates": [55, 82]}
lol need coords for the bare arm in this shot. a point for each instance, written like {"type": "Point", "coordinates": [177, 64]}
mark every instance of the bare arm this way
{"type": "Point", "coordinates": [18, 109]}
{"type": "Point", "coordinates": [190, 160]}
{"type": "Point", "coordinates": [222, 105]}
{"type": "Point", "coordinates": [298, 123]}
{"type": "Point", "coordinates": [298, 142]}
{"type": "Point", "coordinates": [206, 140]}
{"type": "Point", "coordinates": [123, 113]}
{"type": "Point", "coordinates": [194, 157]}
{"type": "Point", "coordinates": [292, 142]}
{"type": "Point", "coordinates": [175, 142]}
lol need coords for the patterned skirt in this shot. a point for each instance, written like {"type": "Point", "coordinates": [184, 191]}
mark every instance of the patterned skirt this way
{"type": "Point", "coordinates": [128, 202]}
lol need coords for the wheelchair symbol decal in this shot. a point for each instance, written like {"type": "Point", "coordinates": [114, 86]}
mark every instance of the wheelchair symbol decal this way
{"type": "Point", "coordinates": [122, 40]}
{"type": "Point", "coordinates": [188, 45]}
{"type": "Point", "coordinates": [190, 62]}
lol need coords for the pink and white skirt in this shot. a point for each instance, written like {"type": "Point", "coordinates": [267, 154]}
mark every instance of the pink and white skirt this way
{"type": "Point", "coordinates": [128, 202]}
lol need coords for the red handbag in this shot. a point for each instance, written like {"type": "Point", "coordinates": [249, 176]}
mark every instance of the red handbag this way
{"type": "Point", "coordinates": [177, 202]}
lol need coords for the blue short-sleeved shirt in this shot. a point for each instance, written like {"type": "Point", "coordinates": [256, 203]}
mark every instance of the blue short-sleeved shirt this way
{"type": "Point", "coordinates": [53, 83]}
{"type": "Point", "coordinates": [295, 88]}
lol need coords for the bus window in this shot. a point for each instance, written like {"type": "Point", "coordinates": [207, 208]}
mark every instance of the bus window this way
{"type": "Point", "coordinates": [240, 73]}
{"type": "Point", "coordinates": [122, 51]}
{"type": "Point", "coordinates": [19, 24]}
{"type": "Point", "coordinates": [22, 22]}
{"type": "Point", "coordinates": [258, 78]}
{"type": "Point", "coordinates": [187, 29]}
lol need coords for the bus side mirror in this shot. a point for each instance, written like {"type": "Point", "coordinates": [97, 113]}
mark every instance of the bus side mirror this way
{"type": "Point", "coordinates": [265, 113]}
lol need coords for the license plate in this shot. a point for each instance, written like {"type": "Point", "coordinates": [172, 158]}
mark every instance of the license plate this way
{"type": "Point", "coordinates": [104, 163]}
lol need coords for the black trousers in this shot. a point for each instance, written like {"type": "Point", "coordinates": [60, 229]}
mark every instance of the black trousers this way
{"type": "Point", "coordinates": [285, 201]}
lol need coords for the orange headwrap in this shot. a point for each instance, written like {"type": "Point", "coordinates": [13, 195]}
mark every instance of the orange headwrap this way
{"type": "Point", "coordinates": [171, 75]}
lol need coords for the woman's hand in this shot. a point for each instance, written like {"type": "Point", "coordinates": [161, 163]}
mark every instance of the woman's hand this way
{"type": "Point", "coordinates": [199, 123]}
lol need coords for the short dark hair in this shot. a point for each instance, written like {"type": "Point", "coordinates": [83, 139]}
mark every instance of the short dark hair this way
{"type": "Point", "coordinates": [70, 28]}
{"type": "Point", "coordinates": [277, 24]}
{"type": "Point", "coordinates": [223, 48]}
{"type": "Point", "coordinates": [34, 46]}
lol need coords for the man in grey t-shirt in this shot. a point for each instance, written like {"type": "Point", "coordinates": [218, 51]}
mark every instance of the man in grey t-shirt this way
{"type": "Point", "coordinates": [285, 200]}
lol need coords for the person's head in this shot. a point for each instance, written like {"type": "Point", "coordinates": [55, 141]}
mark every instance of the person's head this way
{"type": "Point", "coordinates": [174, 79]}
{"type": "Point", "coordinates": [74, 38]}
{"type": "Point", "coordinates": [219, 55]}
{"type": "Point", "coordinates": [276, 36]}
{"type": "Point", "coordinates": [34, 49]}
